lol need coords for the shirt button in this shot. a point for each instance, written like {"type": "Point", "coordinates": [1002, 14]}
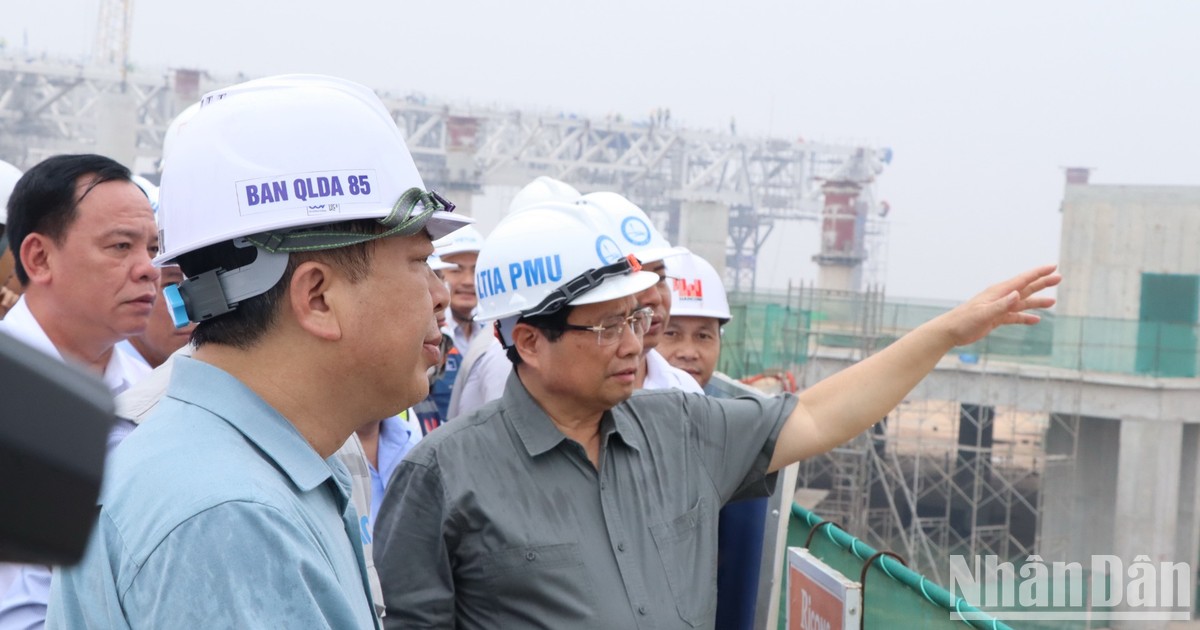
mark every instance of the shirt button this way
{"type": "Point", "coordinates": [641, 610]}
{"type": "Point", "coordinates": [531, 556]}
{"type": "Point", "coordinates": [620, 546]}
{"type": "Point", "coordinates": [602, 486]}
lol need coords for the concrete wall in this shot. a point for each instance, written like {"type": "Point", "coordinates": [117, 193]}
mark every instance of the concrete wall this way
{"type": "Point", "coordinates": [1111, 235]}
{"type": "Point", "coordinates": [1079, 496]}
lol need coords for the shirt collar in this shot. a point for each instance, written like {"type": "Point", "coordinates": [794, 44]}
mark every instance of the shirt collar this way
{"type": "Point", "coordinates": [123, 371]}
{"type": "Point", "coordinates": [537, 430]}
{"type": "Point", "coordinates": [20, 323]}
{"type": "Point", "coordinates": [657, 371]}
{"type": "Point", "coordinates": [195, 382]}
{"type": "Point", "coordinates": [120, 373]}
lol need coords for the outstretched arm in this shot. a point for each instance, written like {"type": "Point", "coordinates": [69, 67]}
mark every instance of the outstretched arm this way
{"type": "Point", "coordinates": [847, 403]}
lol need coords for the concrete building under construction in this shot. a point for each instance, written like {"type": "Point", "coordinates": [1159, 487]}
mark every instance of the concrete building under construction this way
{"type": "Point", "coordinates": [1074, 438]}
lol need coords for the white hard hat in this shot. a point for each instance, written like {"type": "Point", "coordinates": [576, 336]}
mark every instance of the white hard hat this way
{"type": "Point", "coordinates": [437, 264]}
{"type": "Point", "coordinates": [696, 289]}
{"type": "Point", "coordinates": [541, 190]}
{"type": "Point", "coordinates": [9, 175]}
{"type": "Point", "coordinates": [467, 239]}
{"type": "Point", "coordinates": [282, 153]}
{"type": "Point", "coordinates": [150, 189]}
{"type": "Point", "coordinates": [633, 228]}
{"type": "Point", "coordinates": [548, 256]}
{"type": "Point", "coordinates": [174, 129]}
{"type": "Point", "coordinates": [262, 159]}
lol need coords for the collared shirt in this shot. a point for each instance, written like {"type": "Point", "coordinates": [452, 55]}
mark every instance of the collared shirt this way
{"type": "Point", "coordinates": [497, 520]}
{"type": "Point", "coordinates": [662, 375]}
{"type": "Point", "coordinates": [138, 403]}
{"type": "Point", "coordinates": [458, 331]}
{"type": "Point", "coordinates": [120, 373]}
{"type": "Point", "coordinates": [218, 513]}
{"type": "Point", "coordinates": [395, 441]}
{"type": "Point", "coordinates": [132, 353]}
{"type": "Point", "coordinates": [23, 600]}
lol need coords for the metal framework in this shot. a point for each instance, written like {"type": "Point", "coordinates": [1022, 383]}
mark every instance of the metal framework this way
{"type": "Point", "coordinates": [941, 475]}
{"type": "Point", "coordinates": [113, 29]}
{"type": "Point", "coordinates": [49, 107]}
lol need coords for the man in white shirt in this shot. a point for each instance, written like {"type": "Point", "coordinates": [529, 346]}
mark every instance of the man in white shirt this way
{"type": "Point", "coordinates": [82, 237]}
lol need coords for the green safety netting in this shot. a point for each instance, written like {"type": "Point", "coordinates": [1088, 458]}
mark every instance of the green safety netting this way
{"type": "Point", "coordinates": [771, 332]}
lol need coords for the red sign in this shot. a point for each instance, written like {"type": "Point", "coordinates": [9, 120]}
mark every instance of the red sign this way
{"type": "Point", "coordinates": [820, 598]}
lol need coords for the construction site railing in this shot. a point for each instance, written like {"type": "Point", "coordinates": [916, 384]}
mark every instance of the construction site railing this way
{"type": "Point", "coordinates": [894, 596]}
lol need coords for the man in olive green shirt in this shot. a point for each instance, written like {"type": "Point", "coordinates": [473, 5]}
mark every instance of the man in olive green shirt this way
{"type": "Point", "coordinates": [572, 502]}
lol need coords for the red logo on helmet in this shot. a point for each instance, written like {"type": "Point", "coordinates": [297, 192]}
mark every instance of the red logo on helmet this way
{"type": "Point", "coordinates": [689, 290]}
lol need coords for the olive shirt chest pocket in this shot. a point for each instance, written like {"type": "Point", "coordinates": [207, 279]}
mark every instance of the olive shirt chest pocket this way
{"type": "Point", "coordinates": [686, 544]}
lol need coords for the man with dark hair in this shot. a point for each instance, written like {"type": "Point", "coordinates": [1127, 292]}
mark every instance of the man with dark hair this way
{"type": "Point", "coordinates": [82, 237]}
{"type": "Point", "coordinates": [297, 214]}
{"type": "Point", "coordinates": [574, 502]}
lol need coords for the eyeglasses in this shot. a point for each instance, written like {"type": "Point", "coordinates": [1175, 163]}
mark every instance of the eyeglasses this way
{"type": "Point", "coordinates": [611, 329]}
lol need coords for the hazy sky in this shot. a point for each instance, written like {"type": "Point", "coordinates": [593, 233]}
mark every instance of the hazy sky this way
{"type": "Point", "coordinates": [982, 102]}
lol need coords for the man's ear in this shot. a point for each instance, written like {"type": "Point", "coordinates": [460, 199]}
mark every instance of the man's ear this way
{"type": "Point", "coordinates": [529, 342]}
{"type": "Point", "coordinates": [37, 255]}
{"type": "Point", "coordinates": [313, 299]}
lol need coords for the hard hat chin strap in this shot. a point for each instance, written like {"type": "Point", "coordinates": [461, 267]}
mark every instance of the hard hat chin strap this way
{"type": "Point", "coordinates": [581, 284]}
{"type": "Point", "coordinates": [218, 291]}
{"type": "Point", "coordinates": [503, 330]}
{"type": "Point", "coordinates": [562, 296]}
{"type": "Point", "coordinates": [408, 216]}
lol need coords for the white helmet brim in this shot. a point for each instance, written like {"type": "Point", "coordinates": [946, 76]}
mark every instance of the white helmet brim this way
{"type": "Point", "coordinates": [659, 253]}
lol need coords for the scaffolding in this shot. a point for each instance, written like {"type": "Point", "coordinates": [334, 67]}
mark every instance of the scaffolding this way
{"type": "Point", "coordinates": [953, 469]}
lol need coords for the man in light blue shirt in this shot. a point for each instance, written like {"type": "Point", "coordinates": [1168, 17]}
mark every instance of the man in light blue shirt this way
{"type": "Point", "coordinates": [259, 502]}
{"type": "Point", "coordinates": [226, 508]}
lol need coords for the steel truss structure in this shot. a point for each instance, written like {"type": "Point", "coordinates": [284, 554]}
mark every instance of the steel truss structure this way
{"type": "Point", "coordinates": [49, 106]}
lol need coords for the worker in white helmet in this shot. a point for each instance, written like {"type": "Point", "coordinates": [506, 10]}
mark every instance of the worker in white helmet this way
{"type": "Point", "coordinates": [484, 367]}
{"type": "Point", "coordinates": [458, 253]}
{"type": "Point", "coordinates": [294, 208]}
{"type": "Point", "coordinates": [692, 343]}
{"type": "Point", "coordinates": [699, 309]}
{"type": "Point", "coordinates": [571, 502]}
{"type": "Point", "coordinates": [461, 249]}
{"type": "Point", "coordinates": [635, 232]}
